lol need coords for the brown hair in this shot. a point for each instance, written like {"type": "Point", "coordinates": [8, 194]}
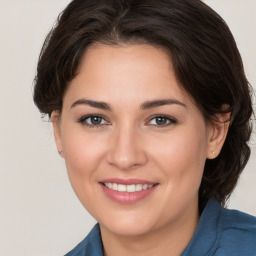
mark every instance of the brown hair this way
{"type": "Point", "coordinates": [205, 57]}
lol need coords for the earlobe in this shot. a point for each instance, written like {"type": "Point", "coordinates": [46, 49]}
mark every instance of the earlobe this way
{"type": "Point", "coordinates": [55, 118]}
{"type": "Point", "coordinates": [218, 134]}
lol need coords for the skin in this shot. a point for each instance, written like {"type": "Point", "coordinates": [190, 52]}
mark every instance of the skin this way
{"type": "Point", "coordinates": [129, 143]}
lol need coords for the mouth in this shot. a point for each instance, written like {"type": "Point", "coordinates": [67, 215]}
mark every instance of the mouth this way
{"type": "Point", "coordinates": [127, 191]}
{"type": "Point", "coordinates": [128, 188]}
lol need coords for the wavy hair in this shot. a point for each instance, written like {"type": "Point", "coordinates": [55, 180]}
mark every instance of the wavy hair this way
{"type": "Point", "coordinates": [205, 58]}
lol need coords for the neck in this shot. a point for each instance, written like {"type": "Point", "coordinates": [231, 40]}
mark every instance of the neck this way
{"type": "Point", "coordinates": [172, 239]}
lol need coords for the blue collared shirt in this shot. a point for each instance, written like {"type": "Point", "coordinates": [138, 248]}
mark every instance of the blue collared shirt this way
{"type": "Point", "coordinates": [220, 232]}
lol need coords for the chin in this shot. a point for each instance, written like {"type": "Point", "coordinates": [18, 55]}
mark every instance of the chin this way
{"type": "Point", "coordinates": [128, 230]}
{"type": "Point", "coordinates": [128, 226]}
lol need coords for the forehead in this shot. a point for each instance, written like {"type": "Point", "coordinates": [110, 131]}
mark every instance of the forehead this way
{"type": "Point", "coordinates": [125, 72]}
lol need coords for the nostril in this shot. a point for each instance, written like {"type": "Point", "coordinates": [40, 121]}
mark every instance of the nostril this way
{"type": "Point", "coordinates": [126, 158]}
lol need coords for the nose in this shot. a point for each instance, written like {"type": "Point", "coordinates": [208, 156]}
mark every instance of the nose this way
{"type": "Point", "coordinates": [126, 149]}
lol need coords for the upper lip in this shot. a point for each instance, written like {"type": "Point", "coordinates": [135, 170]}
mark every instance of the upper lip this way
{"type": "Point", "coordinates": [127, 181]}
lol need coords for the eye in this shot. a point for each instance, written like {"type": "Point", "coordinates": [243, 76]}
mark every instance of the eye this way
{"type": "Point", "coordinates": [93, 121]}
{"type": "Point", "coordinates": [162, 121]}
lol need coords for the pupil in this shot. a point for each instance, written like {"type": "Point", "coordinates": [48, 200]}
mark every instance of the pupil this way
{"type": "Point", "coordinates": [160, 120]}
{"type": "Point", "coordinates": [96, 120]}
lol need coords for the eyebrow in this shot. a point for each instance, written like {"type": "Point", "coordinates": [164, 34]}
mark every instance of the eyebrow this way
{"type": "Point", "coordinates": [92, 103]}
{"type": "Point", "coordinates": [158, 103]}
{"type": "Point", "coordinates": [144, 106]}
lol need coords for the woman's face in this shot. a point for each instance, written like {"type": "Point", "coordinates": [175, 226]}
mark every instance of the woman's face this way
{"type": "Point", "coordinates": [134, 143]}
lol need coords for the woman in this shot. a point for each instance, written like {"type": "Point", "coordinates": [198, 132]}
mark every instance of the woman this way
{"type": "Point", "coordinates": [151, 112]}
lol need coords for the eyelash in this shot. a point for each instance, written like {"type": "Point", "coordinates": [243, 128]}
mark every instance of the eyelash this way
{"type": "Point", "coordinates": [83, 119]}
{"type": "Point", "coordinates": [170, 120]}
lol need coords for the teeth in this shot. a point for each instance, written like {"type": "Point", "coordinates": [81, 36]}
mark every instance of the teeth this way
{"type": "Point", "coordinates": [121, 188]}
{"type": "Point", "coordinates": [139, 187]}
{"type": "Point", "coordinates": [128, 188]}
{"type": "Point", "coordinates": [114, 186]}
{"type": "Point", "coordinates": [131, 188]}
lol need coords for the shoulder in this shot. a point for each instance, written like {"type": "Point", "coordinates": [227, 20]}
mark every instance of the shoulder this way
{"type": "Point", "coordinates": [91, 245]}
{"type": "Point", "coordinates": [237, 220]}
{"type": "Point", "coordinates": [237, 233]}
{"type": "Point", "coordinates": [223, 232]}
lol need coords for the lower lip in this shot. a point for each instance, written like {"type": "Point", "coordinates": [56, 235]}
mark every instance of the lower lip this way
{"type": "Point", "coordinates": [127, 197]}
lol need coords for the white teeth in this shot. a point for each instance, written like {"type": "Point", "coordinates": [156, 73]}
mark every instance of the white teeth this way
{"type": "Point", "coordinates": [145, 186]}
{"type": "Point", "coordinates": [131, 188]}
{"type": "Point", "coordinates": [121, 188]}
{"type": "Point", "coordinates": [139, 187]}
{"type": "Point", "coordinates": [114, 186]}
{"type": "Point", "coordinates": [128, 188]}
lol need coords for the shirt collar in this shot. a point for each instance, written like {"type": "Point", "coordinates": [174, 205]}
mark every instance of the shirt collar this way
{"type": "Point", "coordinates": [206, 233]}
{"type": "Point", "coordinates": [202, 242]}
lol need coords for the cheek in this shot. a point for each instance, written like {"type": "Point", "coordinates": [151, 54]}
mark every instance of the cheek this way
{"type": "Point", "coordinates": [83, 156]}
{"type": "Point", "coordinates": [82, 153]}
{"type": "Point", "coordinates": [181, 157]}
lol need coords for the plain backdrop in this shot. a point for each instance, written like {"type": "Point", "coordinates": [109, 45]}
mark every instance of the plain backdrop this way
{"type": "Point", "coordinates": [39, 213]}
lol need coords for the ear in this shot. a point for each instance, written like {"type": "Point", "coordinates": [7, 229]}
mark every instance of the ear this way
{"type": "Point", "coordinates": [56, 120]}
{"type": "Point", "coordinates": [218, 129]}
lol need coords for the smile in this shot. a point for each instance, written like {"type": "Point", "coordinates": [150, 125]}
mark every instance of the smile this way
{"type": "Point", "coordinates": [127, 191]}
{"type": "Point", "coordinates": [127, 188]}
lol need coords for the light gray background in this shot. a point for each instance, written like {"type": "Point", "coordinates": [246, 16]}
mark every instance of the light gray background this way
{"type": "Point", "coordinates": [39, 213]}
